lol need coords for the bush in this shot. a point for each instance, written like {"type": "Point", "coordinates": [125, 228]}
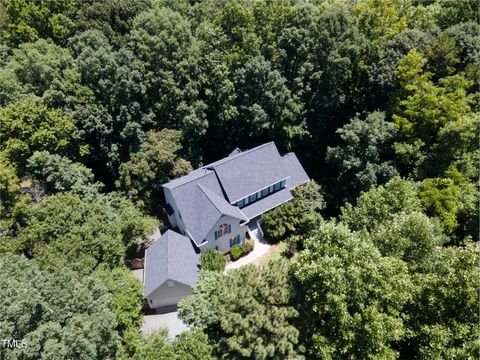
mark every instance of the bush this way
{"type": "Point", "coordinates": [212, 260]}
{"type": "Point", "coordinates": [236, 252]}
{"type": "Point", "coordinates": [248, 247]}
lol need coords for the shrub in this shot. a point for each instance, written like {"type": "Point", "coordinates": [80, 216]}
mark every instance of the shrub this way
{"type": "Point", "coordinates": [236, 252]}
{"type": "Point", "coordinates": [212, 260]}
{"type": "Point", "coordinates": [248, 247]}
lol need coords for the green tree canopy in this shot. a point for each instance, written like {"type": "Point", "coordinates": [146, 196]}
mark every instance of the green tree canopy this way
{"type": "Point", "coordinates": [213, 260]}
{"type": "Point", "coordinates": [59, 314]}
{"type": "Point", "coordinates": [190, 345]}
{"type": "Point", "coordinates": [261, 326]}
{"type": "Point", "coordinates": [64, 230]}
{"type": "Point", "coordinates": [380, 204]}
{"type": "Point", "coordinates": [363, 160]}
{"type": "Point", "coordinates": [353, 296]}
{"type": "Point", "coordinates": [156, 163]}
{"type": "Point", "coordinates": [60, 174]}
{"type": "Point", "coordinates": [29, 126]}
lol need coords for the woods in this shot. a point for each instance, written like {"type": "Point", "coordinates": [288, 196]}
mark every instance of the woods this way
{"type": "Point", "coordinates": [103, 101]}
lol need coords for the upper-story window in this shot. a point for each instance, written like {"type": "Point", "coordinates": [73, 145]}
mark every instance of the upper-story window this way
{"type": "Point", "coordinates": [222, 230]}
{"type": "Point", "coordinates": [260, 194]}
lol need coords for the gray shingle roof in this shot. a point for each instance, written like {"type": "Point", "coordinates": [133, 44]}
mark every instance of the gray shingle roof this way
{"type": "Point", "coordinates": [267, 203]}
{"type": "Point", "coordinates": [205, 194]}
{"type": "Point", "coordinates": [170, 257]}
{"type": "Point", "coordinates": [250, 171]}
{"type": "Point", "coordinates": [295, 171]}
{"type": "Point", "coordinates": [222, 205]}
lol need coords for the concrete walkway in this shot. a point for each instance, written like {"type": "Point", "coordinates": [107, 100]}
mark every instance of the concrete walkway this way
{"type": "Point", "coordinates": [260, 249]}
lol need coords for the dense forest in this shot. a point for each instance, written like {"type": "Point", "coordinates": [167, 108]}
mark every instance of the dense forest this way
{"type": "Point", "coordinates": [103, 101]}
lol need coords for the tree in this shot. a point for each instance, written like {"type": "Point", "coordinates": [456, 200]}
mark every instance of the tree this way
{"type": "Point", "coordinates": [364, 158]}
{"type": "Point", "coordinates": [156, 163]}
{"type": "Point", "coordinates": [380, 204]}
{"type": "Point", "coordinates": [425, 110]}
{"type": "Point", "coordinates": [29, 126]}
{"type": "Point", "coordinates": [261, 326]}
{"type": "Point", "coordinates": [443, 317]}
{"type": "Point", "coordinates": [353, 297]}
{"type": "Point", "coordinates": [213, 260]}
{"type": "Point", "coordinates": [161, 39]}
{"type": "Point", "coordinates": [59, 314]}
{"type": "Point", "coordinates": [126, 303]}
{"type": "Point", "coordinates": [296, 219]}
{"type": "Point", "coordinates": [13, 206]}
{"type": "Point", "coordinates": [190, 345]}
{"type": "Point", "coordinates": [411, 237]}
{"type": "Point", "coordinates": [64, 230]}
{"type": "Point", "coordinates": [60, 174]}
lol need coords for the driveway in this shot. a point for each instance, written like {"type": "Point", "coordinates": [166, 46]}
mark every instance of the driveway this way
{"type": "Point", "coordinates": [261, 248]}
{"type": "Point", "coordinates": [171, 321]}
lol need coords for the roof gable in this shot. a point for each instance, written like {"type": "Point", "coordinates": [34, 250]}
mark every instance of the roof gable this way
{"type": "Point", "coordinates": [171, 257]}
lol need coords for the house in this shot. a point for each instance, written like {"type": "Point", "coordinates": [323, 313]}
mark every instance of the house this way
{"type": "Point", "coordinates": [171, 268]}
{"type": "Point", "coordinates": [215, 206]}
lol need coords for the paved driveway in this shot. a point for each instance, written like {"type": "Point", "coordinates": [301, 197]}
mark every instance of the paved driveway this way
{"type": "Point", "coordinates": [171, 321]}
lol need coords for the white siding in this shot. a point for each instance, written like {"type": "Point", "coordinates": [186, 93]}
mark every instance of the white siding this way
{"type": "Point", "coordinates": [166, 295]}
{"type": "Point", "coordinates": [223, 242]}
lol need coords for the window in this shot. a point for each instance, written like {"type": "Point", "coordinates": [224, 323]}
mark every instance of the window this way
{"type": "Point", "coordinates": [282, 184]}
{"type": "Point", "coordinates": [222, 230]}
{"type": "Point", "coordinates": [246, 201]}
{"type": "Point", "coordinates": [252, 198]}
{"type": "Point", "coordinates": [265, 192]}
{"type": "Point", "coordinates": [235, 241]}
{"type": "Point", "coordinates": [169, 209]}
{"type": "Point", "coordinates": [270, 189]}
{"type": "Point", "coordinates": [239, 203]}
{"type": "Point", "coordinates": [259, 195]}
{"type": "Point", "coordinates": [276, 186]}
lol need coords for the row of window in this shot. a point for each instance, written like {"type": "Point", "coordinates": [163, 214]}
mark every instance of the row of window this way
{"type": "Point", "coordinates": [235, 241]}
{"type": "Point", "coordinates": [260, 194]}
{"type": "Point", "coordinates": [222, 230]}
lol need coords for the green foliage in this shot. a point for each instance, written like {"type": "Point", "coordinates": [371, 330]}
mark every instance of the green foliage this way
{"type": "Point", "coordinates": [59, 314]}
{"type": "Point", "coordinates": [299, 216]}
{"type": "Point", "coordinates": [13, 206]}
{"type": "Point", "coordinates": [261, 326]}
{"type": "Point", "coordinates": [363, 158]}
{"type": "Point", "coordinates": [443, 315]}
{"type": "Point", "coordinates": [353, 296]}
{"type": "Point", "coordinates": [158, 161]}
{"type": "Point", "coordinates": [29, 126]}
{"type": "Point", "coordinates": [212, 260]}
{"type": "Point", "coordinates": [201, 308]}
{"type": "Point", "coordinates": [59, 174]}
{"type": "Point", "coordinates": [65, 231]}
{"type": "Point", "coordinates": [379, 205]}
{"type": "Point", "coordinates": [127, 295]}
{"type": "Point", "coordinates": [190, 345]}
{"type": "Point", "coordinates": [236, 252]}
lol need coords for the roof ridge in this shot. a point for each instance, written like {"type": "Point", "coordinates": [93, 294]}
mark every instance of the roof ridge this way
{"type": "Point", "coordinates": [168, 257]}
{"type": "Point", "coordinates": [240, 154]}
{"type": "Point", "coordinates": [208, 197]}
{"type": "Point", "coordinates": [189, 181]}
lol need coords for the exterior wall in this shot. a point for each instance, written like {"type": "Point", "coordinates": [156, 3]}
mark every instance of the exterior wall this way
{"type": "Point", "coordinates": [167, 296]}
{"type": "Point", "coordinates": [174, 219]}
{"type": "Point", "coordinates": [223, 242]}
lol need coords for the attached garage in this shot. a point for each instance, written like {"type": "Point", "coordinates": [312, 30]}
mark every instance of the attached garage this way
{"type": "Point", "coordinates": [171, 268]}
